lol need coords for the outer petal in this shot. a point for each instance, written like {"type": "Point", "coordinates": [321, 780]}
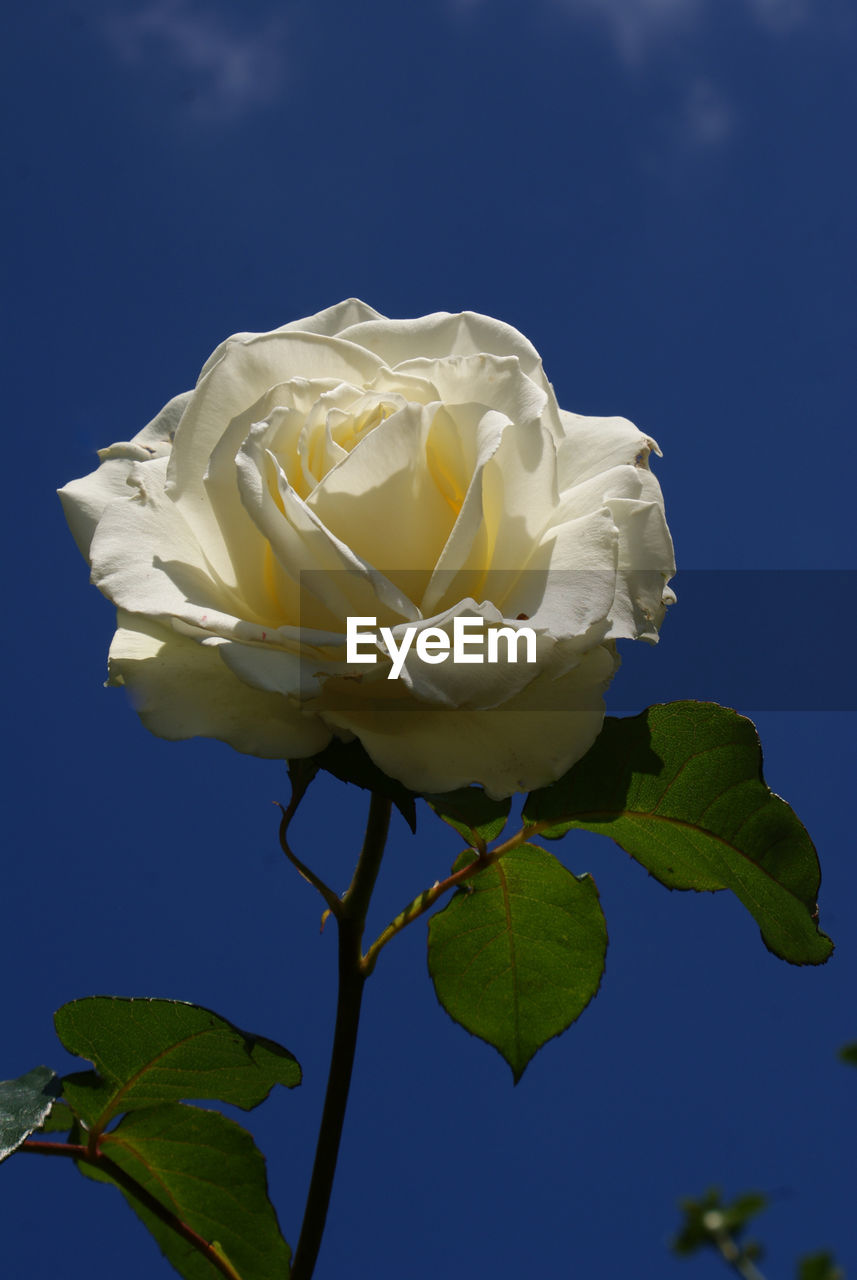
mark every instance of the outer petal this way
{"type": "Point", "coordinates": [495, 382]}
{"type": "Point", "coordinates": [527, 743]}
{"type": "Point", "coordinates": [84, 501]}
{"type": "Point", "coordinates": [594, 445]}
{"type": "Point", "coordinates": [605, 461]}
{"type": "Point", "coordinates": [329, 322]}
{"type": "Point", "coordinates": [569, 583]}
{"type": "Point", "coordinates": [146, 559]}
{"type": "Point", "coordinates": [288, 673]}
{"type": "Point", "coordinates": [334, 319]}
{"type": "Point", "coordinates": [646, 563]}
{"type": "Point", "coordinates": [181, 689]}
{"type": "Point", "coordinates": [442, 334]}
{"type": "Point", "coordinates": [623, 481]}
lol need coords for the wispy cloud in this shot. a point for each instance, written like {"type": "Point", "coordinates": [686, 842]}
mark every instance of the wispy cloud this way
{"type": "Point", "coordinates": [707, 117]}
{"type": "Point", "coordinates": [638, 28]}
{"type": "Point", "coordinates": [779, 15]}
{"type": "Point", "coordinates": [229, 68]}
{"type": "Point", "coordinates": [670, 36]}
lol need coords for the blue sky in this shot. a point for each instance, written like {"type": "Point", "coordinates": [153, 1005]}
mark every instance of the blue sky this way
{"type": "Point", "coordinates": [660, 194]}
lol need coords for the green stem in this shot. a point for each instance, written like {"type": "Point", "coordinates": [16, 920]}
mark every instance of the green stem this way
{"type": "Point", "coordinates": [426, 900]}
{"type": "Point", "coordinates": [82, 1154]}
{"type": "Point", "coordinates": [735, 1257]}
{"type": "Point", "coordinates": [333, 902]}
{"type": "Point", "coordinates": [351, 921]}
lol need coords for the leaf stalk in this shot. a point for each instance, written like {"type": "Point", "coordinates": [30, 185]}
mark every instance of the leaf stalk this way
{"type": "Point", "coordinates": [425, 901]}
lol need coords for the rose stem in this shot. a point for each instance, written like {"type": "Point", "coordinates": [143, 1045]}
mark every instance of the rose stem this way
{"type": "Point", "coordinates": [351, 921]}
{"type": "Point", "coordinates": [139, 1193]}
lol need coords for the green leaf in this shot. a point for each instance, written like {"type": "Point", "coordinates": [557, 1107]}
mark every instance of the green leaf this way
{"type": "Point", "coordinates": [848, 1053]}
{"type": "Point", "coordinates": [149, 1052]}
{"type": "Point", "coordinates": [350, 762]}
{"type": "Point", "coordinates": [475, 816]}
{"type": "Point", "coordinates": [680, 788]}
{"type": "Point", "coordinates": [24, 1104]}
{"type": "Point", "coordinates": [207, 1171]}
{"type": "Point", "coordinates": [819, 1266]}
{"type": "Point", "coordinates": [518, 953]}
{"type": "Point", "coordinates": [59, 1119]}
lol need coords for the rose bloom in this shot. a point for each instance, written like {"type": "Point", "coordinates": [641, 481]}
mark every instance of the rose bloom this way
{"type": "Point", "coordinates": [411, 471]}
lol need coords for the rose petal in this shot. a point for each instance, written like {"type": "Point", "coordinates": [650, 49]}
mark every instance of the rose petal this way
{"type": "Point", "coordinates": [84, 501]}
{"type": "Point", "coordinates": [621, 481]}
{"type": "Point", "coordinates": [329, 322]}
{"type": "Point", "coordinates": [306, 551]}
{"type": "Point", "coordinates": [252, 566]}
{"type": "Point", "coordinates": [383, 502]}
{"type": "Point", "coordinates": [182, 689]}
{"type": "Point", "coordinates": [568, 585]}
{"type": "Point", "coordinates": [295, 672]}
{"type": "Point", "coordinates": [245, 370]}
{"type": "Point", "coordinates": [147, 560]}
{"type": "Point", "coordinates": [458, 684]}
{"type": "Point", "coordinates": [645, 563]}
{"type": "Point", "coordinates": [527, 743]}
{"type": "Point", "coordinates": [594, 445]}
{"type": "Point", "coordinates": [334, 319]}
{"type": "Point", "coordinates": [441, 335]}
{"type": "Point", "coordinates": [495, 382]}
{"type": "Point", "coordinates": [462, 441]}
{"type": "Point", "coordinates": [519, 491]}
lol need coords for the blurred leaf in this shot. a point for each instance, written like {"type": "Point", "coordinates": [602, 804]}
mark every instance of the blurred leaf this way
{"type": "Point", "coordinates": [819, 1266]}
{"type": "Point", "coordinates": [743, 1208]}
{"type": "Point", "coordinates": [153, 1051]}
{"type": "Point", "coordinates": [518, 953]}
{"type": "Point", "coordinates": [207, 1171]}
{"type": "Point", "coordinates": [475, 816]}
{"type": "Point", "coordinates": [24, 1104]}
{"type": "Point", "coordinates": [350, 762]}
{"type": "Point", "coordinates": [708, 1219]}
{"type": "Point", "coordinates": [694, 1234]}
{"type": "Point", "coordinates": [848, 1053]}
{"type": "Point", "coordinates": [680, 788]}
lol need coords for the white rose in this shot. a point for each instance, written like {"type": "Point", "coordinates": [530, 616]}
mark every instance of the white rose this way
{"type": "Point", "coordinates": [413, 471]}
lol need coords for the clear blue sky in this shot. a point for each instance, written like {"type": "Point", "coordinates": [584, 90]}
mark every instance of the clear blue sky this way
{"type": "Point", "coordinates": [661, 195]}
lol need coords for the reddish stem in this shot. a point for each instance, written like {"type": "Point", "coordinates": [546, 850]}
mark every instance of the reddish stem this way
{"type": "Point", "coordinates": [76, 1151]}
